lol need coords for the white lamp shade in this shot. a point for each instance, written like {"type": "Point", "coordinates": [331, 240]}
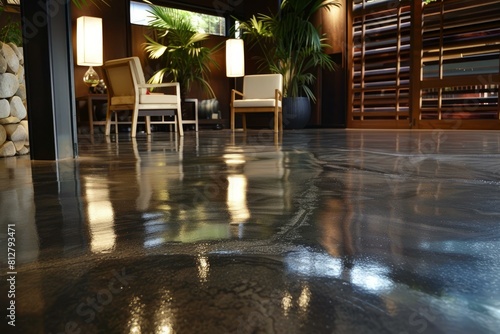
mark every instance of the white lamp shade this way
{"type": "Point", "coordinates": [89, 41]}
{"type": "Point", "coordinates": [235, 58]}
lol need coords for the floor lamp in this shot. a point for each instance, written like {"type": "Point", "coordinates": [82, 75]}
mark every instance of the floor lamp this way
{"type": "Point", "coordinates": [89, 47]}
{"type": "Point", "coordinates": [235, 59]}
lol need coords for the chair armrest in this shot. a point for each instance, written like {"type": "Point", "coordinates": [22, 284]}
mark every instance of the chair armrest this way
{"type": "Point", "coordinates": [234, 92]}
{"type": "Point", "coordinates": [166, 84]}
{"type": "Point", "coordinates": [175, 85]}
{"type": "Point", "coordinates": [278, 95]}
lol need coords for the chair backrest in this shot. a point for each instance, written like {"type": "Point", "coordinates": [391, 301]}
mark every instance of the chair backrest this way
{"type": "Point", "coordinates": [123, 75]}
{"type": "Point", "coordinates": [120, 78]}
{"type": "Point", "coordinates": [261, 86]}
{"type": "Point", "coordinates": [139, 74]}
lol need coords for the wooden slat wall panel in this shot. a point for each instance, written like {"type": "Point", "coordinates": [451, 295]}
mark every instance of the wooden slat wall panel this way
{"type": "Point", "coordinates": [451, 71]}
{"type": "Point", "coordinates": [460, 63]}
{"type": "Point", "coordinates": [380, 63]}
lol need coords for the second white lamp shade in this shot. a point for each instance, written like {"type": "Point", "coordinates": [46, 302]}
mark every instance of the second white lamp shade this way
{"type": "Point", "coordinates": [235, 58]}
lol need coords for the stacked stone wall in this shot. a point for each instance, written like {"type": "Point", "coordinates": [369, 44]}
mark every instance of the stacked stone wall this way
{"type": "Point", "coordinates": [13, 114]}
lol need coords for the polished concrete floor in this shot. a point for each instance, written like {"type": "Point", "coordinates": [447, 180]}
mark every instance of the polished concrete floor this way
{"type": "Point", "coordinates": [314, 231]}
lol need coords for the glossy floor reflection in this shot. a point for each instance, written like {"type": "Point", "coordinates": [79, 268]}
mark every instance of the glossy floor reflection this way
{"type": "Point", "coordinates": [314, 231]}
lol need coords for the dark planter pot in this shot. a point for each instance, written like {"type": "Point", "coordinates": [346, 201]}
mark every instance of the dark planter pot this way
{"type": "Point", "coordinates": [296, 112]}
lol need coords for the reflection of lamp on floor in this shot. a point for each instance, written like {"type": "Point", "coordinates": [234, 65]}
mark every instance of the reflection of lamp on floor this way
{"type": "Point", "coordinates": [89, 47]}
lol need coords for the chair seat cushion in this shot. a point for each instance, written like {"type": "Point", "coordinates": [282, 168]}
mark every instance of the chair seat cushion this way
{"type": "Point", "coordinates": [255, 103]}
{"type": "Point", "coordinates": [157, 98]}
{"type": "Point", "coordinates": [121, 100]}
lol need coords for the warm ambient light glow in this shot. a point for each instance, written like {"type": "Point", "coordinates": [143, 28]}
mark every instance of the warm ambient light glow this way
{"type": "Point", "coordinates": [235, 58]}
{"type": "Point", "coordinates": [237, 198]}
{"type": "Point", "coordinates": [89, 46]}
{"type": "Point", "coordinates": [89, 41]}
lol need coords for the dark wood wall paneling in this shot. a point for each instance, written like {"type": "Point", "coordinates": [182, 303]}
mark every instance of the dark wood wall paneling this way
{"type": "Point", "coordinates": [330, 109]}
{"type": "Point", "coordinates": [122, 40]}
{"type": "Point", "coordinates": [116, 40]}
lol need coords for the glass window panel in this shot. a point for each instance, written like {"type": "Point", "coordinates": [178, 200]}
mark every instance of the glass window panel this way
{"type": "Point", "coordinates": [204, 23]}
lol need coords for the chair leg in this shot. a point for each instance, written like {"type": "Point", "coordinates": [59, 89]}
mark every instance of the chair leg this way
{"type": "Point", "coordinates": [179, 121]}
{"type": "Point", "coordinates": [233, 115]}
{"type": "Point", "coordinates": [276, 120]}
{"type": "Point", "coordinates": [244, 121]}
{"type": "Point", "coordinates": [148, 125]}
{"type": "Point", "coordinates": [196, 115]}
{"type": "Point", "coordinates": [135, 115]}
{"type": "Point", "coordinates": [107, 131]}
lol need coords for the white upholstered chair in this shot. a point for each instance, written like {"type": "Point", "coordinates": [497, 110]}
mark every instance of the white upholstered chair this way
{"type": "Point", "coordinates": [261, 93]}
{"type": "Point", "coordinates": [128, 90]}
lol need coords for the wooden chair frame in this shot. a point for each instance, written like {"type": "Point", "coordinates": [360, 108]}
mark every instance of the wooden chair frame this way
{"type": "Point", "coordinates": [276, 109]}
{"type": "Point", "coordinates": [131, 98]}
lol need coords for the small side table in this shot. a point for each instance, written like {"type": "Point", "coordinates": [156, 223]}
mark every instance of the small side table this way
{"type": "Point", "coordinates": [90, 99]}
{"type": "Point", "coordinates": [195, 111]}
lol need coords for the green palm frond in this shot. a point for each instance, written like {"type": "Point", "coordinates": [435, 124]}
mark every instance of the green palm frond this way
{"type": "Point", "coordinates": [180, 49]}
{"type": "Point", "coordinates": [158, 76]}
{"type": "Point", "coordinates": [290, 43]}
{"type": "Point", "coordinates": [155, 49]}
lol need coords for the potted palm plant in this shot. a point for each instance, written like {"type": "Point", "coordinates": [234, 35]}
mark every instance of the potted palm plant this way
{"type": "Point", "coordinates": [293, 46]}
{"type": "Point", "coordinates": [180, 50]}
